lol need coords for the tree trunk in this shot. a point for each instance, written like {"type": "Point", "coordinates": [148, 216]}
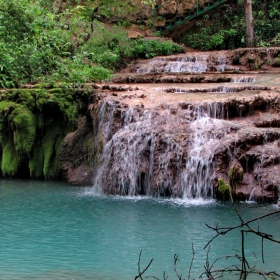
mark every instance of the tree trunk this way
{"type": "Point", "coordinates": [249, 21]}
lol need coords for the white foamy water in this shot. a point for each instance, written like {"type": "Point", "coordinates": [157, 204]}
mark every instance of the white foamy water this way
{"type": "Point", "coordinates": [119, 161]}
{"type": "Point", "coordinates": [196, 178]}
{"type": "Point", "coordinates": [126, 165]}
{"type": "Point", "coordinates": [244, 80]}
{"type": "Point", "coordinates": [193, 65]}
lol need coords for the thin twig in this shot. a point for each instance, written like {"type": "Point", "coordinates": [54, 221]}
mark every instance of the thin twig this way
{"type": "Point", "coordinates": [193, 253]}
{"type": "Point", "coordinates": [176, 259]}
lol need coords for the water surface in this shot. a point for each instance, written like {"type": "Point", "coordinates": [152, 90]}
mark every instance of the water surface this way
{"type": "Point", "coordinates": [50, 230]}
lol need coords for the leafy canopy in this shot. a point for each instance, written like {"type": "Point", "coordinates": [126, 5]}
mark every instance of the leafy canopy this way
{"type": "Point", "coordinates": [41, 41]}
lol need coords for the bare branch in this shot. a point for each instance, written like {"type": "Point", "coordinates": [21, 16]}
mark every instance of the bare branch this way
{"type": "Point", "coordinates": [140, 273]}
{"type": "Point", "coordinates": [176, 259]}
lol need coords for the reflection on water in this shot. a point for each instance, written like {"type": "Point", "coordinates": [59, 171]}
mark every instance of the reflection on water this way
{"type": "Point", "coordinates": [52, 231]}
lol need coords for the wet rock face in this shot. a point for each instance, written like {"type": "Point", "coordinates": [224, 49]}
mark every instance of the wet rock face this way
{"type": "Point", "coordinates": [77, 154]}
{"type": "Point", "coordinates": [142, 149]}
{"type": "Point", "coordinates": [152, 149]}
{"type": "Point", "coordinates": [257, 58]}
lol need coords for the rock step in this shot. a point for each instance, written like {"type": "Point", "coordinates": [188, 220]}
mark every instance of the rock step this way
{"type": "Point", "coordinates": [129, 78]}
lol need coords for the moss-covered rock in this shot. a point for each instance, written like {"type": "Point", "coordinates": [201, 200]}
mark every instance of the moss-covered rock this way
{"type": "Point", "coordinates": [23, 124]}
{"type": "Point", "coordinates": [276, 62]}
{"type": "Point", "coordinates": [33, 123]}
{"type": "Point", "coordinates": [224, 189]}
{"type": "Point", "coordinates": [51, 144]}
{"type": "Point", "coordinates": [10, 160]}
{"type": "Point", "coordinates": [235, 174]}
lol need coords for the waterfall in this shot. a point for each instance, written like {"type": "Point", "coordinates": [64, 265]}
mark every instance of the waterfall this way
{"type": "Point", "coordinates": [196, 178]}
{"type": "Point", "coordinates": [143, 155]}
{"type": "Point", "coordinates": [120, 163]}
{"type": "Point", "coordinates": [251, 198]}
{"type": "Point", "coordinates": [126, 164]}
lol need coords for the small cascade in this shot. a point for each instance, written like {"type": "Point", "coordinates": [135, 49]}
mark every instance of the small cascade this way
{"type": "Point", "coordinates": [120, 159]}
{"type": "Point", "coordinates": [193, 64]}
{"type": "Point", "coordinates": [224, 89]}
{"type": "Point", "coordinates": [251, 198]}
{"type": "Point", "coordinates": [196, 178]}
{"type": "Point", "coordinates": [187, 65]}
{"type": "Point", "coordinates": [221, 63]}
{"type": "Point", "coordinates": [244, 80]}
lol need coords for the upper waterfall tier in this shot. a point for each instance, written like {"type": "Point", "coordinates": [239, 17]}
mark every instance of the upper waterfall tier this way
{"type": "Point", "coordinates": [193, 64]}
{"type": "Point", "coordinates": [234, 61]}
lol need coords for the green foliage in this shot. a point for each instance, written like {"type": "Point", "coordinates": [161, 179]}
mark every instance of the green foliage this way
{"type": "Point", "coordinates": [124, 23]}
{"type": "Point", "coordinates": [235, 175]}
{"type": "Point", "coordinates": [151, 48]}
{"type": "Point", "coordinates": [276, 62]}
{"type": "Point", "coordinates": [36, 45]}
{"type": "Point", "coordinates": [224, 189]}
{"type": "Point", "coordinates": [151, 3]}
{"type": "Point", "coordinates": [41, 45]}
{"type": "Point", "coordinates": [226, 29]}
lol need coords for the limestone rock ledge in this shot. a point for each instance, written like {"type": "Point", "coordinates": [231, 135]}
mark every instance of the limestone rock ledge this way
{"type": "Point", "coordinates": [137, 140]}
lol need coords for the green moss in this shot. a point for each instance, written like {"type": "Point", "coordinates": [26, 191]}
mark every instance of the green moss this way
{"type": "Point", "coordinates": [36, 162]}
{"type": "Point", "coordinates": [23, 124]}
{"type": "Point", "coordinates": [276, 62]}
{"type": "Point", "coordinates": [51, 144]}
{"type": "Point", "coordinates": [33, 123]}
{"type": "Point", "coordinates": [222, 186]}
{"type": "Point", "coordinates": [10, 160]}
{"type": "Point", "coordinates": [5, 107]}
{"type": "Point", "coordinates": [26, 97]}
{"type": "Point", "coordinates": [42, 98]}
{"type": "Point", "coordinates": [235, 174]}
{"type": "Point", "coordinates": [65, 101]}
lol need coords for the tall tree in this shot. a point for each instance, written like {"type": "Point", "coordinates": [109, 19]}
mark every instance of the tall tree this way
{"type": "Point", "coordinates": [249, 21]}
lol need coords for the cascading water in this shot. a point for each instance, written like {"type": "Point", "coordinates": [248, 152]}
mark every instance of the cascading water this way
{"type": "Point", "coordinates": [196, 177]}
{"type": "Point", "coordinates": [244, 80]}
{"type": "Point", "coordinates": [251, 198]}
{"type": "Point", "coordinates": [126, 163]}
{"type": "Point", "coordinates": [176, 131]}
{"type": "Point", "coordinates": [120, 163]}
{"type": "Point", "coordinates": [135, 153]}
{"type": "Point", "coordinates": [190, 64]}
